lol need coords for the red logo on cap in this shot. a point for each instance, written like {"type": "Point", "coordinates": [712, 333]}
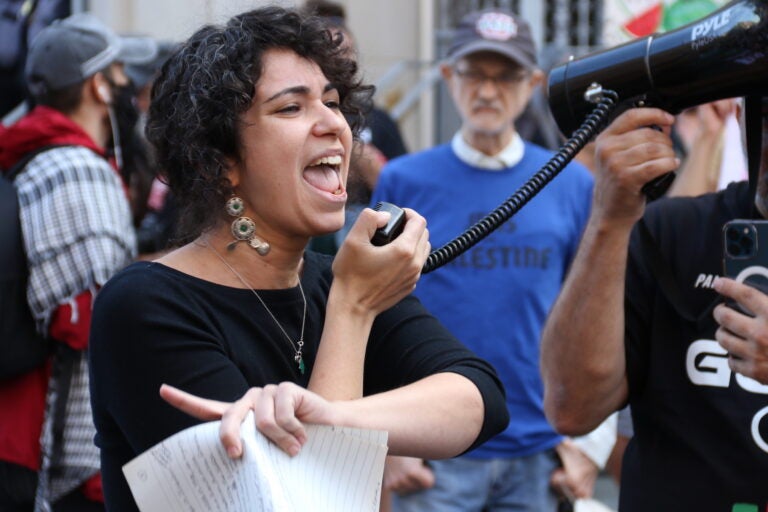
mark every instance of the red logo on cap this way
{"type": "Point", "coordinates": [496, 26]}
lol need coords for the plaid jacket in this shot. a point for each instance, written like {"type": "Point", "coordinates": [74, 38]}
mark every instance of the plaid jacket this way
{"type": "Point", "coordinates": [77, 231]}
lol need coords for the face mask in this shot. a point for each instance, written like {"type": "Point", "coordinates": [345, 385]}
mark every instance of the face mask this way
{"type": "Point", "coordinates": [126, 143]}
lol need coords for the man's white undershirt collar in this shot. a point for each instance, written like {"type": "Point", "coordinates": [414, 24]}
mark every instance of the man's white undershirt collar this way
{"type": "Point", "coordinates": [507, 157]}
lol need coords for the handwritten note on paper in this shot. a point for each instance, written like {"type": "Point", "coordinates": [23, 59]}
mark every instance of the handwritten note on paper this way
{"type": "Point", "coordinates": [338, 469]}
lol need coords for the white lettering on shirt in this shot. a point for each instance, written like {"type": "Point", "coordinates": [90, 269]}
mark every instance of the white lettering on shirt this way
{"type": "Point", "coordinates": [706, 364]}
{"type": "Point", "coordinates": [704, 281]}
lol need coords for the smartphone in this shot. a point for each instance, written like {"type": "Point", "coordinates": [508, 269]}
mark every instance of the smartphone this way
{"type": "Point", "coordinates": [745, 254]}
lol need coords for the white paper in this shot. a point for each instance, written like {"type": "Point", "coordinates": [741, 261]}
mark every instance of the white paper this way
{"type": "Point", "coordinates": [338, 469]}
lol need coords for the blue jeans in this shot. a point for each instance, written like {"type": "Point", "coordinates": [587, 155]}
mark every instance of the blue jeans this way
{"type": "Point", "coordinates": [463, 484]}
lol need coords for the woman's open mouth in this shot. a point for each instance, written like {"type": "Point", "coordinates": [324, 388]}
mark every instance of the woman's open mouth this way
{"type": "Point", "coordinates": [324, 174]}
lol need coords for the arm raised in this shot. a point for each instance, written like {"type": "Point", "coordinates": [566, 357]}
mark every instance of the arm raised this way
{"type": "Point", "coordinates": [367, 280]}
{"type": "Point", "coordinates": [582, 348]}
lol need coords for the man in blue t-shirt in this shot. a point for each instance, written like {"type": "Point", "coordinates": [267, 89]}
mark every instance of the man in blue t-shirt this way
{"type": "Point", "coordinates": [496, 296]}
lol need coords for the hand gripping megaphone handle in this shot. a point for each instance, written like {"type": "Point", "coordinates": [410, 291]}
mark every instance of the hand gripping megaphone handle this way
{"type": "Point", "coordinates": [659, 185]}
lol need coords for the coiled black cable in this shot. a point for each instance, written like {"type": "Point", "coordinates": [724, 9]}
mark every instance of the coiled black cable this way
{"type": "Point", "coordinates": [592, 125]}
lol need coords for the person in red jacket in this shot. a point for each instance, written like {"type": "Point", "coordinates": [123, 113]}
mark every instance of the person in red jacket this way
{"type": "Point", "coordinates": [77, 232]}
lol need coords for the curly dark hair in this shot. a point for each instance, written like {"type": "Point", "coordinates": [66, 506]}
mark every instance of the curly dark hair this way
{"type": "Point", "coordinates": [210, 81]}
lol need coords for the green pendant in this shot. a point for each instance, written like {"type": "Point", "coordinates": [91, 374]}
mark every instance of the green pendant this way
{"type": "Point", "coordinates": [301, 365]}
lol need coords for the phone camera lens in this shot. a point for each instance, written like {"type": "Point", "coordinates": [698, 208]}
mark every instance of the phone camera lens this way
{"type": "Point", "coordinates": [733, 235]}
{"type": "Point", "coordinates": [746, 245]}
{"type": "Point", "coordinates": [740, 242]}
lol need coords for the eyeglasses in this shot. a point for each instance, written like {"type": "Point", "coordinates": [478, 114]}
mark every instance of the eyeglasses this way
{"type": "Point", "coordinates": [475, 78]}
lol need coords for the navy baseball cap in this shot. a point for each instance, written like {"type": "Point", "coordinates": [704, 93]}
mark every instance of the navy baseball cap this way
{"type": "Point", "coordinates": [494, 30]}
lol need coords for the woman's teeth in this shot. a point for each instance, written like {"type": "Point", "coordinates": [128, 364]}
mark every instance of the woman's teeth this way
{"type": "Point", "coordinates": [327, 160]}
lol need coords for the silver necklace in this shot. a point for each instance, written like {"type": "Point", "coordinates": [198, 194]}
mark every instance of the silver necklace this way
{"type": "Point", "coordinates": [299, 345]}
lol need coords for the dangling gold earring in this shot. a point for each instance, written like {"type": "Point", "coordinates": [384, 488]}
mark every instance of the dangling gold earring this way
{"type": "Point", "coordinates": [243, 228]}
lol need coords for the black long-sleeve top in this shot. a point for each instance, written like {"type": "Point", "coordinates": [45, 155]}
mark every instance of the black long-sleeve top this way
{"type": "Point", "coordinates": [153, 325]}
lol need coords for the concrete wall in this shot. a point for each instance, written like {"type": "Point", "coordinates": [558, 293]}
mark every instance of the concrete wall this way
{"type": "Point", "coordinates": [387, 33]}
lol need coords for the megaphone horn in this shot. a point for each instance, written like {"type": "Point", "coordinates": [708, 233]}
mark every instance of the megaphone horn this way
{"type": "Point", "coordinates": [723, 55]}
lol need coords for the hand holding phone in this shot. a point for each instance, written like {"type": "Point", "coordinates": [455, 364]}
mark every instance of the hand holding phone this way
{"type": "Point", "coordinates": [745, 260]}
{"type": "Point", "coordinates": [745, 255]}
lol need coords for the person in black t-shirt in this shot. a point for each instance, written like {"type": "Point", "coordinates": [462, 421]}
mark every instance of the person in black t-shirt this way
{"type": "Point", "coordinates": [641, 320]}
{"type": "Point", "coordinates": [249, 123]}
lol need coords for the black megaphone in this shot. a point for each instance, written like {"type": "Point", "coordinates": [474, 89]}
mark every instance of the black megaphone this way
{"type": "Point", "coordinates": [723, 55]}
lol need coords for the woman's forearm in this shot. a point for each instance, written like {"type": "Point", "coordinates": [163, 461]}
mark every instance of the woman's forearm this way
{"type": "Point", "coordinates": [338, 369]}
{"type": "Point", "coordinates": [437, 417]}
